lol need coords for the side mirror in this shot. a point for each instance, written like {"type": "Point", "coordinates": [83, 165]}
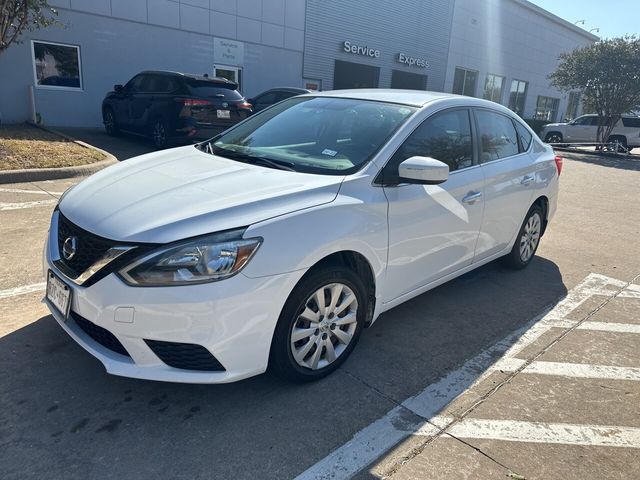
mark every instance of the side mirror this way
{"type": "Point", "coordinates": [118, 88]}
{"type": "Point", "coordinates": [423, 170]}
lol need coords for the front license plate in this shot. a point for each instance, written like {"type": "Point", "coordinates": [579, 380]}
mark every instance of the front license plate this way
{"type": "Point", "coordinates": [224, 114]}
{"type": "Point", "coordinates": [58, 293]}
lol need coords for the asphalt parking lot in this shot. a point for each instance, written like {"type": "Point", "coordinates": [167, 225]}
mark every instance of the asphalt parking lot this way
{"type": "Point", "coordinates": [498, 374]}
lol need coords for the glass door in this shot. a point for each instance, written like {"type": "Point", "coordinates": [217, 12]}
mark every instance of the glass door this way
{"type": "Point", "coordinates": [233, 74]}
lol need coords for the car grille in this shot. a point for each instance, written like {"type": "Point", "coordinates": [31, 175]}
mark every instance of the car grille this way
{"type": "Point", "coordinates": [186, 356]}
{"type": "Point", "coordinates": [101, 335]}
{"type": "Point", "coordinates": [90, 249]}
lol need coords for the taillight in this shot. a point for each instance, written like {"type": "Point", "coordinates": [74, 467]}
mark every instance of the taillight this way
{"type": "Point", "coordinates": [194, 102]}
{"type": "Point", "coordinates": [558, 160]}
{"type": "Point", "coordinates": [244, 105]}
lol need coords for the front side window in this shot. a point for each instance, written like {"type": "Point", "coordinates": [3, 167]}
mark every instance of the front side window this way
{"type": "Point", "coordinates": [444, 136]}
{"type": "Point", "coordinates": [493, 88]}
{"type": "Point", "coordinates": [518, 96]}
{"type": "Point", "coordinates": [56, 65]}
{"type": "Point", "coordinates": [331, 136]}
{"type": "Point", "coordinates": [586, 120]}
{"type": "Point", "coordinates": [464, 82]}
{"type": "Point", "coordinates": [547, 108]}
{"type": "Point", "coordinates": [498, 137]}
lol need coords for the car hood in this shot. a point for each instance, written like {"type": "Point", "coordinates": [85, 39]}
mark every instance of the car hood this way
{"type": "Point", "coordinates": [183, 192]}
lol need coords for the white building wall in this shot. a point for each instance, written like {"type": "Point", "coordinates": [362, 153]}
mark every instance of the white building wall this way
{"type": "Point", "coordinates": [514, 39]}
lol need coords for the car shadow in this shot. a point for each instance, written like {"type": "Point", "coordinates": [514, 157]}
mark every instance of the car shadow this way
{"type": "Point", "coordinates": [62, 416]}
{"type": "Point", "coordinates": [611, 160]}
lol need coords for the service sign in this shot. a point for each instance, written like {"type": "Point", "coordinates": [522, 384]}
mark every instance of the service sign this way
{"type": "Point", "coordinates": [363, 50]}
{"type": "Point", "coordinates": [228, 52]}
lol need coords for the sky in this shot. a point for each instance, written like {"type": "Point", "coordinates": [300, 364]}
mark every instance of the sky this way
{"type": "Point", "coordinates": [614, 18]}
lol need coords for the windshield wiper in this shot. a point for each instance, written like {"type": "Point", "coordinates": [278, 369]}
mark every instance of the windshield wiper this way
{"type": "Point", "coordinates": [253, 159]}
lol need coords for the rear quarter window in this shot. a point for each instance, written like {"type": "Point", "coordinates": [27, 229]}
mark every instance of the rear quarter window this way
{"type": "Point", "coordinates": [524, 135]}
{"type": "Point", "coordinates": [202, 88]}
{"type": "Point", "coordinates": [631, 122]}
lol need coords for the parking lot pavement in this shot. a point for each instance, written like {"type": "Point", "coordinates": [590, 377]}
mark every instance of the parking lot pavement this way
{"type": "Point", "coordinates": [62, 416]}
{"type": "Point", "coordinates": [122, 147]}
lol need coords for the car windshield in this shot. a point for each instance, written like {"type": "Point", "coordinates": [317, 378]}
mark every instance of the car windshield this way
{"type": "Point", "coordinates": [332, 136]}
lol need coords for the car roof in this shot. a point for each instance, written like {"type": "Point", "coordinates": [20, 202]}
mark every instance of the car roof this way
{"type": "Point", "coordinates": [192, 76]}
{"type": "Point", "coordinates": [415, 98]}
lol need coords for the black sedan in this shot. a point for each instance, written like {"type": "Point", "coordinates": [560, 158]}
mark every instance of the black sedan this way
{"type": "Point", "coordinates": [273, 96]}
{"type": "Point", "coordinates": [170, 106]}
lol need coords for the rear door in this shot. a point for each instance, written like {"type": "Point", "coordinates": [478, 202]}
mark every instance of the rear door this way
{"type": "Point", "coordinates": [433, 229]}
{"type": "Point", "coordinates": [510, 177]}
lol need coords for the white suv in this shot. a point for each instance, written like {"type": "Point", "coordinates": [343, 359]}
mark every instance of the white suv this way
{"type": "Point", "coordinates": [584, 129]}
{"type": "Point", "coordinates": [278, 241]}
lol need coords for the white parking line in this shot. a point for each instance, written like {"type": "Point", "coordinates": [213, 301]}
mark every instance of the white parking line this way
{"type": "Point", "coordinates": [21, 190]}
{"type": "Point", "coordinates": [556, 433]}
{"type": "Point", "coordinates": [12, 292]}
{"type": "Point", "coordinates": [373, 441]}
{"type": "Point", "coordinates": [598, 326]}
{"type": "Point", "coordinates": [575, 370]}
{"type": "Point", "coordinates": [17, 206]}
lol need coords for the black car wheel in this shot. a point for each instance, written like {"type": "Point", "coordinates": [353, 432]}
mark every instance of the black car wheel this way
{"type": "Point", "coordinates": [553, 137]}
{"type": "Point", "coordinates": [109, 120]}
{"type": "Point", "coordinates": [319, 325]}
{"type": "Point", "coordinates": [159, 133]}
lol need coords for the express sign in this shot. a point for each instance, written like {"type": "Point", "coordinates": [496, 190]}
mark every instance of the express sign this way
{"type": "Point", "coordinates": [412, 61]}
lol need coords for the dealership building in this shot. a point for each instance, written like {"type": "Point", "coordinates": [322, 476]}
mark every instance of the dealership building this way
{"type": "Point", "coordinates": [502, 50]}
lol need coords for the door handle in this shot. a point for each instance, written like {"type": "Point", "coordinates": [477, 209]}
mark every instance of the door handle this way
{"type": "Point", "coordinates": [472, 197]}
{"type": "Point", "coordinates": [527, 179]}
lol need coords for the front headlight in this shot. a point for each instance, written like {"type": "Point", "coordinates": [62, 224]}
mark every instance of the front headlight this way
{"type": "Point", "coordinates": [201, 260]}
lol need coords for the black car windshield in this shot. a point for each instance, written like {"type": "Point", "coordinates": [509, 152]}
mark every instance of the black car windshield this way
{"type": "Point", "coordinates": [332, 136]}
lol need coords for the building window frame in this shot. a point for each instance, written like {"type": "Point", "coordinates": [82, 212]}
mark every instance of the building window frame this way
{"type": "Point", "coordinates": [464, 81]}
{"type": "Point", "coordinates": [493, 78]}
{"type": "Point", "coordinates": [547, 108]}
{"type": "Point", "coordinates": [56, 87]}
{"type": "Point", "coordinates": [513, 105]}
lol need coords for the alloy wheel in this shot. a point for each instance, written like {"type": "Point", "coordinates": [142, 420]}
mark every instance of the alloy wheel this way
{"type": "Point", "coordinates": [530, 237]}
{"type": "Point", "coordinates": [109, 122]}
{"type": "Point", "coordinates": [326, 326]}
{"type": "Point", "coordinates": [159, 134]}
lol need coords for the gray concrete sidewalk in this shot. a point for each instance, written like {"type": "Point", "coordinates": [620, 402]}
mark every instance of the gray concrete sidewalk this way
{"type": "Point", "coordinates": [122, 147]}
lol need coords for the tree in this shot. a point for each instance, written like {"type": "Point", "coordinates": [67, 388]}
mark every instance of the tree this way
{"type": "Point", "coordinates": [608, 74]}
{"type": "Point", "coordinates": [18, 16]}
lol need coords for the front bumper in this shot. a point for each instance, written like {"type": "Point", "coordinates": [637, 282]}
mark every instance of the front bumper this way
{"type": "Point", "coordinates": [234, 319]}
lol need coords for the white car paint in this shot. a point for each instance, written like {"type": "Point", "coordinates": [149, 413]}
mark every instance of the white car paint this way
{"type": "Point", "coordinates": [584, 129]}
{"type": "Point", "coordinates": [414, 237]}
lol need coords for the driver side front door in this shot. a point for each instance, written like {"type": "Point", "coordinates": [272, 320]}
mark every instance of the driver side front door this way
{"type": "Point", "coordinates": [433, 229]}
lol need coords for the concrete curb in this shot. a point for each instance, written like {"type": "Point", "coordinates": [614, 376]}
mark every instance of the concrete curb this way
{"type": "Point", "coordinates": [42, 174]}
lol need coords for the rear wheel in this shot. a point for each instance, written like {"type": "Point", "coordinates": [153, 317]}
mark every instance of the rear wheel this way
{"type": "Point", "coordinates": [319, 325]}
{"type": "Point", "coordinates": [553, 137]}
{"type": "Point", "coordinates": [619, 143]}
{"type": "Point", "coordinates": [109, 120]}
{"type": "Point", "coordinates": [527, 240]}
{"type": "Point", "coordinates": [159, 133]}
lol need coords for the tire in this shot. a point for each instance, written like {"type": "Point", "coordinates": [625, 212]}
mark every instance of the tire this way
{"type": "Point", "coordinates": [527, 241]}
{"type": "Point", "coordinates": [553, 137]}
{"type": "Point", "coordinates": [622, 143]}
{"type": "Point", "coordinates": [109, 121]}
{"type": "Point", "coordinates": [160, 133]}
{"type": "Point", "coordinates": [302, 317]}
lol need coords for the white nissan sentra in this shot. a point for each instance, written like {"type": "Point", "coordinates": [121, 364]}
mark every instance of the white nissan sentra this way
{"type": "Point", "coordinates": [277, 242]}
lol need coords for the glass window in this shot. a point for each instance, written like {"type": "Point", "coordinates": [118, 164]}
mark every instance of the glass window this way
{"type": "Point", "coordinates": [586, 120]}
{"type": "Point", "coordinates": [445, 136]}
{"type": "Point", "coordinates": [524, 135]}
{"type": "Point", "coordinates": [207, 88]}
{"type": "Point", "coordinates": [493, 88]}
{"type": "Point", "coordinates": [631, 122]}
{"type": "Point", "coordinates": [547, 109]}
{"type": "Point", "coordinates": [518, 96]}
{"type": "Point", "coordinates": [497, 136]}
{"type": "Point", "coordinates": [464, 82]}
{"type": "Point", "coordinates": [57, 65]}
{"type": "Point", "coordinates": [332, 136]}
{"type": "Point", "coordinates": [266, 99]}
{"type": "Point", "coordinates": [573, 105]}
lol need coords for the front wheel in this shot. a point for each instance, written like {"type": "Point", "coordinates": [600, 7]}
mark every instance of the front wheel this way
{"type": "Point", "coordinates": [553, 137]}
{"type": "Point", "coordinates": [319, 325]}
{"type": "Point", "coordinates": [527, 240]}
{"type": "Point", "coordinates": [109, 120]}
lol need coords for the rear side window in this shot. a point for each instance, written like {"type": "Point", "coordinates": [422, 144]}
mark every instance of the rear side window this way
{"type": "Point", "coordinates": [161, 84]}
{"type": "Point", "coordinates": [203, 88]}
{"type": "Point", "coordinates": [444, 136]}
{"type": "Point", "coordinates": [631, 122]}
{"type": "Point", "coordinates": [524, 135]}
{"type": "Point", "coordinates": [497, 136]}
